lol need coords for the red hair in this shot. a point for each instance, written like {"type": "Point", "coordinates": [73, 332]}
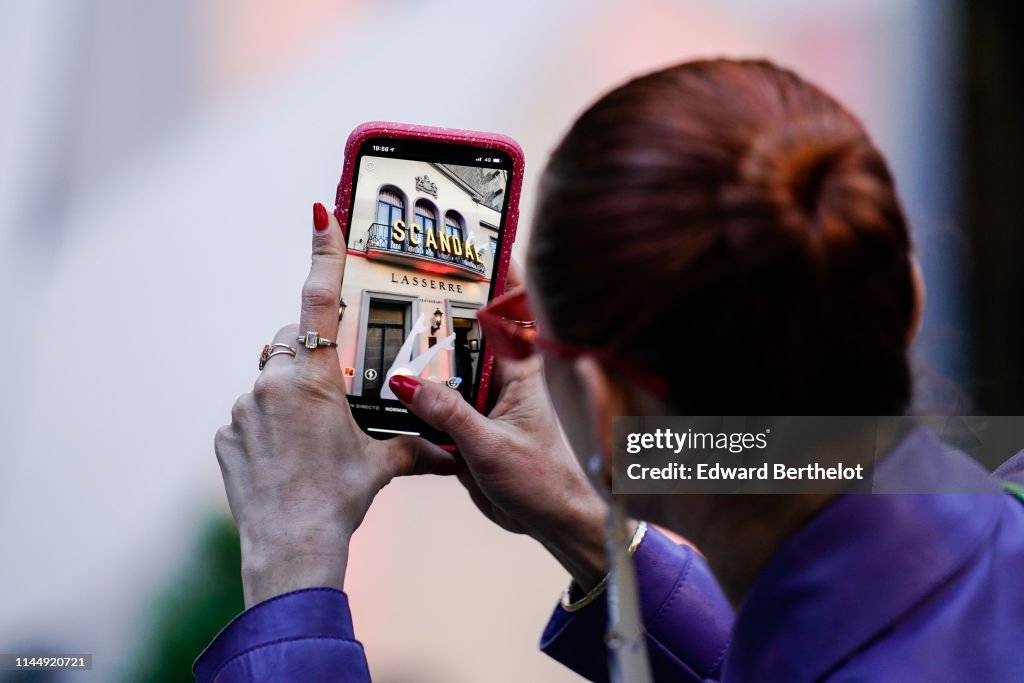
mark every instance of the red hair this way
{"type": "Point", "coordinates": [731, 227]}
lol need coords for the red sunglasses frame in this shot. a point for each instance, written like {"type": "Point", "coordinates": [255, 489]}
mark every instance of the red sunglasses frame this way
{"type": "Point", "coordinates": [509, 328]}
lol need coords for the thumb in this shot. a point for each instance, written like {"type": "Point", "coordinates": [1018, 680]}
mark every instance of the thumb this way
{"type": "Point", "coordinates": [407, 455]}
{"type": "Point", "coordinates": [440, 407]}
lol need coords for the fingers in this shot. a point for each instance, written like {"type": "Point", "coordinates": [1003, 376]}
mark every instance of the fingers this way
{"type": "Point", "coordinates": [507, 370]}
{"type": "Point", "coordinates": [440, 407]}
{"type": "Point", "coordinates": [286, 335]}
{"type": "Point", "coordinates": [408, 455]}
{"type": "Point", "coordinates": [322, 290]}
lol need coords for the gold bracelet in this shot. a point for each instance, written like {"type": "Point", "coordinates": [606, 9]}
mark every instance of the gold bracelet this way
{"type": "Point", "coordinates": [569, 606]}
{"type": "Point", "coordinates": [638, 536]}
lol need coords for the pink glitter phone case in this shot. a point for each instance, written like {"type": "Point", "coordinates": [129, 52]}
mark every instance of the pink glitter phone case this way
{"type": "Point", "coordinates": [493, 141]}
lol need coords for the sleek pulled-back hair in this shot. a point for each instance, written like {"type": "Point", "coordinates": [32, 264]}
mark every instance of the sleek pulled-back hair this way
{"type": "Point", "coordinates": [731, 227]}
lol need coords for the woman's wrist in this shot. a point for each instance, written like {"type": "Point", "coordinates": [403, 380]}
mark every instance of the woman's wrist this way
{"type": "Point", "coordinates": [574, 598]}
{"type": "Point", "coordinates": [577, 540]}
{"type": "Point", "coordinates": [269, 572]}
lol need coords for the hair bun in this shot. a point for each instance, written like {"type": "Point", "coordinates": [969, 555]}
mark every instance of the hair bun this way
{"type": "Point", "coordinates": [798, 164]}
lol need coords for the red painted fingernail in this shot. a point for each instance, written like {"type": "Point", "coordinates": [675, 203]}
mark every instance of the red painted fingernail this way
{"type": "Point", "coordinates": [404, 387]}
{"type": "Point", "coordinates": [320, 219]}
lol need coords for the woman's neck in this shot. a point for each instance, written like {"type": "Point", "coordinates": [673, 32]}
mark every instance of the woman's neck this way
{"type": "Point", "coordinates": [739, 533]}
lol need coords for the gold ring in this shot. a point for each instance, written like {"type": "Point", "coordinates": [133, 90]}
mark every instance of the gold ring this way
{"type": "Point", "coordinates": [271, 350]}
{"type": "Point", "coordinates": [312, 340]}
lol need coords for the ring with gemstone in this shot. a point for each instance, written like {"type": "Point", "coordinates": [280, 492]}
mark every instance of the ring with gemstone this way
{"type": "Point", "coordinates": [271, 350]}
{"type": "Point", "coordinates": [312, 340]}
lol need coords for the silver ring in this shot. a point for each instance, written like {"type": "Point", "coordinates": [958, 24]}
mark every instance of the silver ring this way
{"type": "Point", "coordinates": [312, 340]}
{"type": "Point", "coordinates": [271, 350]}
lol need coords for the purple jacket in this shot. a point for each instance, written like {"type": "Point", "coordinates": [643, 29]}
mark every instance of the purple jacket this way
{"type": "Point", "coordinates": [879, 588]}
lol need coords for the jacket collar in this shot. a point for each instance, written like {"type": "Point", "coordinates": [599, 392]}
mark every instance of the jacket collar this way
{"type": "Point", "coordinates": [861, 563]}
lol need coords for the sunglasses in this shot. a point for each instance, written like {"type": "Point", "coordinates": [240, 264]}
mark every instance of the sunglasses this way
{"type": "Point", "coordinates": [509, 327]}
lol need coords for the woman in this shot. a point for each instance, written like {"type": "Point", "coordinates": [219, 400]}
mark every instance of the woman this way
{"type": "Point", "coordinates": [737, 249]}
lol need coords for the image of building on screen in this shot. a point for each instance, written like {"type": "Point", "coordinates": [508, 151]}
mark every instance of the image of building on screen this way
{"type": "Point", "coordinates": [423, 245]}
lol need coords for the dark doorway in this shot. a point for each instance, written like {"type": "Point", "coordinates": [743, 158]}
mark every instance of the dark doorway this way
{"type": "Point", "coordinates": [385, 332]}
{"type": "Point", "coordinates": [466, 343]}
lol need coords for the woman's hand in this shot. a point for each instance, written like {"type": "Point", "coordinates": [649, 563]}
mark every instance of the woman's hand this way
{"type": "Point", "coordinates": [299, 473]}
{"type": "Point", "coordinates": [519, 470]}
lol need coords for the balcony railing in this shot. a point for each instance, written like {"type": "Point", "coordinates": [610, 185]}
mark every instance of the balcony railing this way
{"type": "Point", "coordinates": [379, 238]}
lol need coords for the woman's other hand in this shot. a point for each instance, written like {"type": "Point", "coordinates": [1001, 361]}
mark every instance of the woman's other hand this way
{"type": "Point", "coordinates": [299, 473]}
{"type": "Point", "coordinates": [519, 470]}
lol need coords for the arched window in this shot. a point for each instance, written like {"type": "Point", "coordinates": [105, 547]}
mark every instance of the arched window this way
{"type": "Point", "coordinates": [390, 208]}
{"type": "Point", "coordinates": [454, 225]}
{"type": "Point", "coordinates": [426, 218]}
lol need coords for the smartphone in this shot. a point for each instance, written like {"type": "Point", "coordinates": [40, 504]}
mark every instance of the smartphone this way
{"type": "Point", "coordinates": [430, 217]}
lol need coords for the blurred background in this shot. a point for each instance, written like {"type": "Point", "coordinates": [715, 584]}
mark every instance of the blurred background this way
{"type": "Point", "coordinates": [157, 165]}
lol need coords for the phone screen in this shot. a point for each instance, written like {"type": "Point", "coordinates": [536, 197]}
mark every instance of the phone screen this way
{"type": "Point", "coordinates": [426, 229]}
